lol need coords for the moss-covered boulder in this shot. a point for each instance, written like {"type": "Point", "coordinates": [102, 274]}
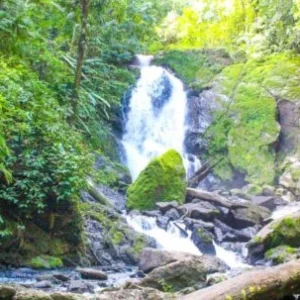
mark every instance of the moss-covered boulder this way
{"type": "Point", "coordinates": [162, 180]}
{"type": "Point", "coordinates": [283, 232]}
{"type": "Point", "coordinates": [45, 262]}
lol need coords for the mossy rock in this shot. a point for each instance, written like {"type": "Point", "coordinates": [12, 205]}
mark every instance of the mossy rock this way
{"type": "Point", "coordinates": [45, 262]}
{"type": "Point", "coordinates": [245, 130]}
{"type": "Point", "coordinates": [284, 232]}
{"type": "Point", "coordinates": [281, 254]}
{"type": "Point", "coordinates": [164, 179]}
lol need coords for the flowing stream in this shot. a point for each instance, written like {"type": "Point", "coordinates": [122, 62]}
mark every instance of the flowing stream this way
{"type": "Point", "coordinates": [156, 120]}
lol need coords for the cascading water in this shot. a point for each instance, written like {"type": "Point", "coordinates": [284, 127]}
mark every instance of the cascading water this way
{"type": "Point", "coordinates": [172, 239]}
{"type": "Point", "coordinates": [156, 122]}
{"type": "Point", "coordinates": [156, 118]}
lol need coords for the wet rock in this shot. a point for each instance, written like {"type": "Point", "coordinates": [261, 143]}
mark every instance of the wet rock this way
{"type": "Point", "coordinates": [231, 235]}
{"type": "Point", "coordinates": [61, 277]}
{"type": "Point", "coordinates": [165, 206]}
{"type": "Point", "coordinates": [80, 286]}
{"type": "Point", "coordinates": [282, 232]}
{"type": "Point", "coordinates": [172, 214]}
{"type": "Point", "coordinates": [270, 202]}
{"type": "Point", "coordinates": [203, 241]}
{"type": "Point", "coordinates": [248, 216]}
{"type": "Point", "coordinates": [152, 258]}
{"type": "Point", "coordinates": [202, 211]}
{"type": "Point", "coordinates": [163, 222]}
{"type": "Point", "coordinates": [185, 271]}
{"type": "Point", "coordinates": [93, 274]}
{"type": "Point", "coordinates": [43, 285]}
{"type": "Point", "coordinates": [191, 223]}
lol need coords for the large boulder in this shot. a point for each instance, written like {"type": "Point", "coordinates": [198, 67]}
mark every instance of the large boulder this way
{"type": "Point", "coordinates": [178, 270]}
{"type": "Point", "coordinates": [282, 232]}
{"type": "Point", "coordinates": [247, 216]}
{"type": "Point", "coordinates": [162, 180]}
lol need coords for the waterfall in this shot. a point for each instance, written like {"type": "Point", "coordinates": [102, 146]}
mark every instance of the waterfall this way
{"type": "Point", "coordinates": [156, 118]}
{"type": "Point", "coordinates": [156, 121]}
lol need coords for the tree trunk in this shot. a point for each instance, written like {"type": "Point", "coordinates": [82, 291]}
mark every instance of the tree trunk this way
{"type": "Point", "coordinates": [202, 173]}
{"type": "Point", "coordinates": [272, 283]}
{"type": "Point", "coordinates": [80, 54]}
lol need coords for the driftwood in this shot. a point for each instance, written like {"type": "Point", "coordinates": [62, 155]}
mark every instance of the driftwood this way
{"type": "Point", "coordinates": [202, 173]}
{"type": "Point", "coordinates": [272, 283]}
{"type": "Point", "coordinates": [214, 198]}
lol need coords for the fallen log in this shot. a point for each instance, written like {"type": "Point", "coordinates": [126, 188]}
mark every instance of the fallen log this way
{"type": "Point", "coordinates": [214, 198]}
{"type": "Point", "coordinates": [263, 284]}
{"type": "Point", "coordinates": [202, 173]}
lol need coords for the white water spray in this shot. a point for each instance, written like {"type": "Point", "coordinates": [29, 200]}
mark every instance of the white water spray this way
{"type": "Point", "coordinates": [156, 118]}
{"type": "Point", "coordinates": [171, 239]}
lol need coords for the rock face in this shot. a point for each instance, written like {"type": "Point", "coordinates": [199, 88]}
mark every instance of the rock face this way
{"type": "Point", "coordinates": [282, 232]}
{"type": "Point", "coordinates": [109, 240]}
{"type": "Point", "coordinates": [177, 270]}
{"type": "Point", "coordinates": [162, 180]}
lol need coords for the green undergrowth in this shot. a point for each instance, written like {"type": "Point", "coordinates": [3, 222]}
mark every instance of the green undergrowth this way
{"type": "Point", "coordinates": [196, 68]}
{"type": "Point", "coordinates": [162, 180]}
{"type": "Point", "coordinates": [245, 129]}
{"type": "Point", "coordinates": [45, 262]}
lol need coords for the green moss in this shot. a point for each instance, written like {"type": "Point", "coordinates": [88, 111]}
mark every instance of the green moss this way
{"type": "Point", "coordinates": [45, 262]}
{"type": "Point", "coordinates": [286, 232]}
{"type": "Point", "coordinates": [281, 254]}
{"type": "Point", "coordinates": [195, 68]}
{"type": "Point", "coordinates": [162, 180]}
{"type": "Point", "coordinates": [139, 245]}
{"type": "Point", "coordinates": [206, 238]}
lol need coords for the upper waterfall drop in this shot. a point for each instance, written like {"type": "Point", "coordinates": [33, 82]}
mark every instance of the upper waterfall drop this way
{"type": "Point", "coordinates": [156, 118]}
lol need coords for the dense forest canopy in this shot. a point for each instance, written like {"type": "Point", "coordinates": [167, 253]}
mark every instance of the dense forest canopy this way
{"type": "Point", "coordinates": [63, 72]}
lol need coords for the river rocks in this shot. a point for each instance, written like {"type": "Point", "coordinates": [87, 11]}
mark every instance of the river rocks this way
{"type": "Point", "coordinates": [282, 232]}
{"type": "Point", "coordinates": [250, 215]}
{"type": "Point", "coordinates": [80, 287]}
{"type": "Point", "coordinates": [153, 258]}
{"type": "Point", "coordinates": [178, 270]}
{"type": "Point", "coordinates": [43, 285]}
{"type": "Point", "coordinates": [109, 239]}
{"type": "Point", "coordinates": [93, 274]}
{"type": "Point", "coordinates": [269, 202]}
{"type": "Point", "coordinates": [202, 211]}
{"type": "Point", "coordinates": [162, 180]}
{"type": "Point", "coordinates": [203, 241]}
{"type": "Point", "coordinates": [162, 222]}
